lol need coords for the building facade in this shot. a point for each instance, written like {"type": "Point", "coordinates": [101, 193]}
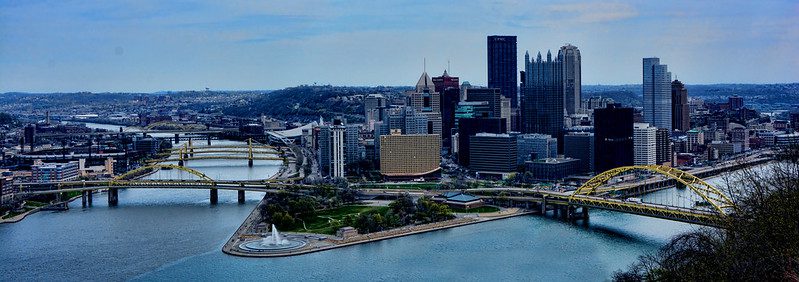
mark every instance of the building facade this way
{"type": "Point", "coordinates": [580, 145]}
{"type": "Point", "coordinates": [644, 142]}
{"type": "Point", "coordinates": [54, 172]}
{"type": "Point", "coordinates": [535, 146]}
{"type": "Point", "coordinates": [492, 154]}
{"type": "Point", "coordinates": [657, 93]}
{"type": "Point", "coordinates": [571, 78]}
{"type": "Point", "coordinates": [613, 132]}
{"type": "Point", "coordinates": [679, 107]}
{"type": "Point", "coordinates": [409, 156]}
{"type": "Point", "coordinates": [542, 96]}
{"type": "Point", "coordinates": [502, 66]}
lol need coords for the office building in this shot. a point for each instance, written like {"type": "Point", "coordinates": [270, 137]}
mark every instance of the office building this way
{"type": "Point", "coordinates": [695, 138]}
{"type": "Point", "coordinates": [374, 106]}
{"type": "Point", "coordinates": [449, 89]}
{"type": "Point", "coordinates": [580, 145]}
{"type": "Point", "coordinates": [492, 154]}
{"type": "Point", "coordinates": [663, 147]}
{"type": "Point", "coordinates": [54, 172]}
{"type": "Point", "coordinates": [645, 149]}
{"type": "Point", "coordinates": [490, 95]}
{"type": "Point", "coordinates": [571, 78]}
{"type": "Point", "coordinates": [613, 137]}
{"type": "Point", "coordinates": [735, 102]}
{"type": "Point", "coordinates": [410, 156]}
{"type": "Point", "coordinates": [533, 146]}
{"type": "Point", "coordinates": [502, 66]}
{"type": "Point", "coordinates": [679, 107]}
{"type": "Point", "coordinates": [468, 127]}
{"type": "Point", "coordinates": [353, 147]}
{"type": "Point", "coordinates": [324, 149]}
{"type": "Point", "coordinates": [657, 93]}
{"type": "Point", "coordinates": [507, 111]}
{"type": "Point", "coordinates": [427, 101]}
{"type": "Point", "coordinates": [542, 96]}
{"type": "Point", "coordinates": [552, 169]}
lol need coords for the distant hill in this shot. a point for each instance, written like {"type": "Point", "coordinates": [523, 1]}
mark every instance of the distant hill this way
{"type": "Point", "coordinates": [307, 103]}
{"type": "Point", "coordinates": [765, 97]}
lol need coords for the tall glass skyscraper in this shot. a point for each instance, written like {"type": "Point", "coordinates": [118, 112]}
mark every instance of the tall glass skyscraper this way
{"type": "Point", "coordinates": [502, 66]}
{"type": "Point", "coordinates": [542, 96]}
{"type": "Point", "coordinates": [657, 93]}
{"type": "Point", "coordinates": [571, 78]}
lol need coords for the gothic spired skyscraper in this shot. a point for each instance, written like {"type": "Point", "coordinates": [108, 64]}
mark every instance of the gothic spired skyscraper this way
{"type": "Point", "coordinates": [657, 93]}
{"type": "Point", "coordinates": [571, 77]}
{"type": "Point", "coordinates": [542, 96]}
{"type": "Point", "coordinates": [502, 66]}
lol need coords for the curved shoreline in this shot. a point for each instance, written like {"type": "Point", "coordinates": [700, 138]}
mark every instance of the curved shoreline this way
{"type": "Point", "coordinates": [240, 236]}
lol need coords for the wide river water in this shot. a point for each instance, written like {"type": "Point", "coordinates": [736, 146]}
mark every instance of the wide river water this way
{"type": "Point", "coordinates": [172, 235]}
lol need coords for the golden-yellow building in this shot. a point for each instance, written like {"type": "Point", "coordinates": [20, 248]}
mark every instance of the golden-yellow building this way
{"type": "Point", "coordinates": [410, 155]}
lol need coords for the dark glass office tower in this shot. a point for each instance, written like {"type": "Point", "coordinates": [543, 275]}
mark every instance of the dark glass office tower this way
{"type": "Point", "coordinates": [542, 96]}
{"type": "Point", "coordinates": [449, 89]}
{"type": "Point", "coordinates": [502, 66]}
{"type": "Point", "coordinates": [613, 133]}
{"type": "Point", "coordinates": [490, 95]}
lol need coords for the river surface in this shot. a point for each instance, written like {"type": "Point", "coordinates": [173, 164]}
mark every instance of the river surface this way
{"type": "Point", "coordinates": [167, 235]}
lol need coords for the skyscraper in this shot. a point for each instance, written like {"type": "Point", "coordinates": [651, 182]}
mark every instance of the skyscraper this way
{"type": "Point", "coordinates": [353, 144]}
{"type": "Point", "coordinates": [427, 101]}
{"type": "Point", "coordinates": [490, 95]}
{"type": "Point", "coordinates": [580, 145]}
{"type": "Point", "coordinates": [665, 149]}
{"type": "Point", "coordinates": [542, 96]}
{"type": "Point", "coordinates": [613, 133]}
{"type": "Point", "coordinates": [644, 144]}
{"type": "Point", "coordinates": [323, 149]}
{"type": "Point", "coordinates": [373, 107]}
{"type": "Point", "coordinates": [571, 78]}
{"type": "Point", "coordinates": [449, 89]}
{"type": "Point", "coordinates": [657, 94]}
{"type": "Point", "coordinates": [502, 66]}
{"type": "Point", "coordinates": [337, 144]}
{"type": "Point", "coordinates": [679, 107]}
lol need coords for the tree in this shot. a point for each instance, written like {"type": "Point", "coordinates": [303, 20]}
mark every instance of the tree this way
{"type": "Point", "coordinates": [758, 242]}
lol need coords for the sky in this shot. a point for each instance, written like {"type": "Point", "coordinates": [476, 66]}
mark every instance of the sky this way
{"type": "Point", "coordinates": [148, 46]}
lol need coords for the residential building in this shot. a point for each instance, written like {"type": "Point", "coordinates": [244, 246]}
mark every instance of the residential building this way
{"type": "Point", "coordinates": [337, 158]}
{"type": "Point", "coordinates": [324, 149]}
{"type": "Point", "coordinates": [54, 172]}
{"type": "Point", "coordinates": [695, 138]}
{"type": "Point", "coordinates": [353, 145]}
{"type": "Point", "coordinates": [663, 147]}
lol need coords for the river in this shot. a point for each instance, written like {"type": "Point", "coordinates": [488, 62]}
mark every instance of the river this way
{"type": "Point", "coordinates": [177, 235]}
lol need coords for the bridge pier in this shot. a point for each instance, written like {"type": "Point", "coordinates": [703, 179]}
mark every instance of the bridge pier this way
{"type": "Point", "coordinates": [544, 206]}
{"type": "Point", "coordinates": [177, 138]}
{"type": "Point", "coordinates": [585, 213]}
{"type": "Point", "coordinates": [249, 162]}
{"type": "Point", "coordinates": [89, 197]}
{"type": "Point", "coordinates": [180, 163]}
{"type": "Point", "coordinates": [83, 198]}
{"type": "Point", "coordinates": [214, 196]}
{"type": "Point", "coordinates": [241, 197]}
{"type": "Point", "coordinates": [113, 197]}
{"type": "Point", "coordinates": [569, 212]}
{"type": "Point", "coordinates": [209, 140]}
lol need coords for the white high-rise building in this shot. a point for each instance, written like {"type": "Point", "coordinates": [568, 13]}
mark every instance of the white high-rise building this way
{"type": "Point", "coordinates": [337, 158]}
{"type": "Point", "coordinates": [644, 144]}
{"type": "Point", "coordinates": [657, 93]}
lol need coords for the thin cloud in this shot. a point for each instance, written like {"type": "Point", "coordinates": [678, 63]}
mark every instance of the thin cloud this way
{"type": "Point", "coordinates": [598, 12]}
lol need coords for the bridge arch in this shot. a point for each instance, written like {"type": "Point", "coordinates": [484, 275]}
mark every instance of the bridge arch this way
{"type": "Point", "coordinates": [134, 172]}
{"type": "Point", "coordinates": [720, 202]}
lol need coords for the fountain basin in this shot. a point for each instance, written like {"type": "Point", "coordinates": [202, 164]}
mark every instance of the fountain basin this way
{"type": "Point", "coordinates": [257, 246]}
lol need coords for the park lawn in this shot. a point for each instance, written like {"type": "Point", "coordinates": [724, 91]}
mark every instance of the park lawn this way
{"type": "Point", "coordinates": [483, 209]}
{"type": "Point", "coordinates": [321, 221]}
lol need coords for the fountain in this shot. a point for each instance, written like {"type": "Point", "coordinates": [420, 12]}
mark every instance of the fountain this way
{"type": "Point", "coordinates": [274, 243]}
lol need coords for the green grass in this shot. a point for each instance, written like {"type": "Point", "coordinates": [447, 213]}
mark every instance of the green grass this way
{"type": "Point", "coordinates": [483, 209]}
{"type": "Point", "coordinates": [325, 221]}
{"type": "Point", "coordinates": [34, 203]}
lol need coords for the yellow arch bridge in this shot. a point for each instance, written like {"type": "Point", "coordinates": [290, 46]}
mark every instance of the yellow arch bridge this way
{"type": "Point", "coordinates": [130, 180]}
{"type": "Point", "coordinates": [712, 210]}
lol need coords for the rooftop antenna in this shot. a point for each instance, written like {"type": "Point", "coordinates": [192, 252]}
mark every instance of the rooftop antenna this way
{"type": "Point", "coordinates": [425, 65]}
{"type": "Point", "coordinates": [448, 69]}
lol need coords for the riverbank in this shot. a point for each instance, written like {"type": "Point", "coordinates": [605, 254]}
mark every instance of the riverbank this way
{"type": "Point", "coordinates": [21, 216]}
{"type": "Point", "coordinates": [320, 242]}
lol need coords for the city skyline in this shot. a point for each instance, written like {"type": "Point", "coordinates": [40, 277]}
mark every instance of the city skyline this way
{"type": "Point", "coordinates": [148, 46]}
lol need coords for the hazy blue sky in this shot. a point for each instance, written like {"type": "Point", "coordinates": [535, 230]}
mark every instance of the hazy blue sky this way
{"type": "Point", "coordinates": [180, 45]}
